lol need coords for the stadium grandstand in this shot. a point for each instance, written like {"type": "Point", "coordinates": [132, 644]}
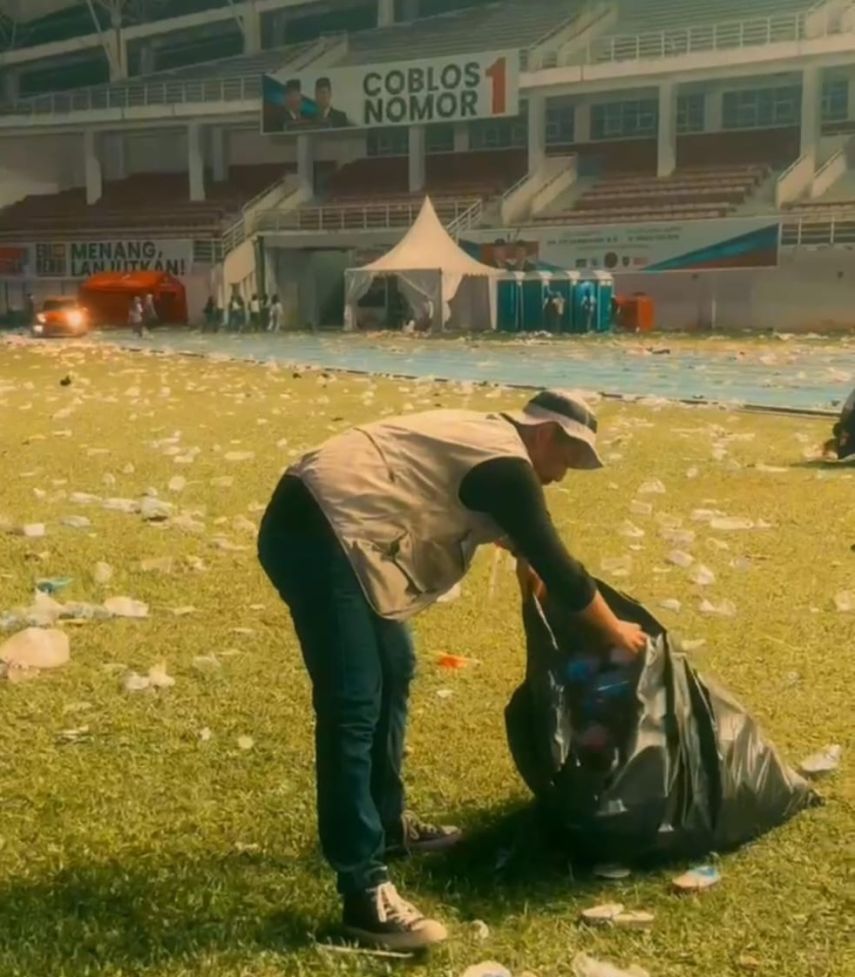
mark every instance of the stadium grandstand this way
{"type": "Point", "coordinates": [626, 134]}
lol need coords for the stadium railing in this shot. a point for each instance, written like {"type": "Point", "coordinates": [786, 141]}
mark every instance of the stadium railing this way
{"type": "Point", "coordinates": [348, 217]}
{"type": "Point", "coordinates": [750, 32]}
{"type": "Point", "coordinates": [190, 91]}
{"type": "Point", "coordinates": [807, 232]}
{"type": "Point", "coordinates": [471, 217]}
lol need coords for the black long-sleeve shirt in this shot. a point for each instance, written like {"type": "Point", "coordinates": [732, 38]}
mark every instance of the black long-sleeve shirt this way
{"type": "Point", "coordinates": [505, 489]}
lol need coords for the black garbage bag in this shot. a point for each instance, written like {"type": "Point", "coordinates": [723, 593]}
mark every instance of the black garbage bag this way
{"type": "Point", "coordinates": [687, 771]}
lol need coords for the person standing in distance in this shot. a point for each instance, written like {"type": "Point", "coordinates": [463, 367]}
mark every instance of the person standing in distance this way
{"type": "Point", "coordinates": [361, 534]}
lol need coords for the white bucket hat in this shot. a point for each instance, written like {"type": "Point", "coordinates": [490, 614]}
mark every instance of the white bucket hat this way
{"type": "Point", "coordinates": [567, 409]}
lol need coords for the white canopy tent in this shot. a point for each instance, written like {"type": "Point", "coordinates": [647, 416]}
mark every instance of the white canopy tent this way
{"type": "Point", "coordinates": [444, 286]}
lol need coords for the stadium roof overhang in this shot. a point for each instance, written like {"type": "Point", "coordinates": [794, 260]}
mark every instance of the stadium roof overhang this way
{"type": "Point", "coordinates": [24, 11]}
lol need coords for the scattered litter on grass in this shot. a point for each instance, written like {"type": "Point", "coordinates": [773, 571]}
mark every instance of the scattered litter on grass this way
{"type": "Point", "coordinates": [611, 872]}
{"type": "Point", "coordinates": [671, 604]}
{"type": "Point", "coordinates": [679, 558]}
{"type": "Point", "coordinates": [731, 524]}
{"type": "Point", "coordinates": [30, 530]}
{"type": "Point", "coordinates": [206, 663]}
{"type": "Point", "coordinates": [102, 572]}
{"type": "Point", "coordinates": [602, 915]}
{"type": "Point", "coordinates": [157, 678]}
{"type": "Point", "coordinates": [631, 531]}
{"type": "Point", "coordinates": [33, 650]}
{"type": "Point", "coordinates": [480, 930]}
{"type": "Point", "coordinates": [617, 566]}
{"type": "Point", "coordinates": [702, 576]}
{"type": "Point", "coordinates": [844, 602]}
{"type": "Point", "coordinates": [652, 487]}
{"type": "Point", "coordinates": [155, 510]}
{"type": "Point", "coordinates": [177, 483]}
{"type": "Point", "coordinates": [586, 966]}
{"type": "Point", "coordinates": [725, 608]}
{"type": "Point", "coordinates": [52, 585]}
{"type": "Point", "coordinates": [73, 735]}
{"type": "Point", "coordinates": [634, 919]}
{"type": "Point", "coordinates": [205, 734]}
{"type": "Point", "coordinates": [363, 951]}
{"type": "Point", "coordinates": [456, 661]}
{"type": "Point", "coordinates": [444, 693]}
{"type": "Point", "coordinates": [694, 644]}
{"type": "Point", "coordinates": [824, 762]}
{"type": "Point", "coordinates": [488, 968]}
{"type": "Point", "coordinates": [128, 506]}
{"type": "Point", "coordinates": [245, 742]}
{"type": "Point", "coordinates": [126, 607]}
{"type": "Point", "coordinates": [75, 522]}
{"type": "Point", "coordinates": [697, 879]}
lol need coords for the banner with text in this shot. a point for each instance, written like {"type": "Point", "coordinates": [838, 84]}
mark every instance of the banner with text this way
{"type": "Point", "coordinates": [401, 93]}
{"type": "Point", "coordinates": [699, 245]}
{"type": "Point", "coordinates": [80, 259]}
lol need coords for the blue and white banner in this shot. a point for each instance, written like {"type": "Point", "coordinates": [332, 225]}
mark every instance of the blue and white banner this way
{"type": "Point", "coordinates": [700, 245]}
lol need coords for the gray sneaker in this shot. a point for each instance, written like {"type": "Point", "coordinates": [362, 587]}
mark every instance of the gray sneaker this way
{"type": "Point", "coordinates": [379, 917]}
{"type": "Point", "coordinates": [413, 836]}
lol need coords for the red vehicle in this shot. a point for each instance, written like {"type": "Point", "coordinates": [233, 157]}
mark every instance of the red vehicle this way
{"type": "Point", "coordinates": [61, 315]}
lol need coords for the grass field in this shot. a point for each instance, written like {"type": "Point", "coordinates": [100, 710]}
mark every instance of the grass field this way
{"type": "Point", "coordinates": [148, 847]}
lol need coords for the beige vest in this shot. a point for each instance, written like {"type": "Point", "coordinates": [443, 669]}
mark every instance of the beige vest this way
{"type": "Point", "coordinates": [390, 491]}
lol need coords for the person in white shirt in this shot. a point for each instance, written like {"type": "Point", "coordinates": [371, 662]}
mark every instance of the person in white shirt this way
{"type": "Point", "coordinates": [276, 314]}
{"type": "Point", "coordinates": [136, 315]}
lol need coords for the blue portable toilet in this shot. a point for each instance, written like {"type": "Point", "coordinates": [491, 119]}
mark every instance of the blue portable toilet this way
{"type": "Point", "coordinates": [563, 284]}
{"type": "Point", "coordinates": [595, 304]}
{"type": "Point", "coordinates": [509, 307]}
{"type": "Point", "coordinates": [534, 289]}
{"type": "Point", "coordinates": [584, 305]}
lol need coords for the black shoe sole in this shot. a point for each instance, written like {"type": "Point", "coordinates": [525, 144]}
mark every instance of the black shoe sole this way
{"type": "Point", "coordinates": [424, 847]}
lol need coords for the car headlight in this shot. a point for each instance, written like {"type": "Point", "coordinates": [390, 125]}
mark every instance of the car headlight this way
{"type": "Point", "coordinates": [41, 318]}
{"type": "Point", "coordinates": [38, 329]}
{"type": "Point", "coordinates": [75, 318]}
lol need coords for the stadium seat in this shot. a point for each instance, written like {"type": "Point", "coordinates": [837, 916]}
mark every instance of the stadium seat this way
{"type": "Point", "coordinates": [144, 202]}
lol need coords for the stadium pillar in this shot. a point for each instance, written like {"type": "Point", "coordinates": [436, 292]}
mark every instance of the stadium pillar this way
{"type": "Point", "coordinates": [306, 162]}
{"type": "Point", "coordinates": [385, 13]}
{"type": "Point", "coordinates": [251, 19]}
{"type": "Point", "coordinates": [582, 122]}
{"type": "Point", "coordinates": [148, 58]}
{"type": "Point", "coordinates": [811, 112]}
{"type": "Point", "coordinates": [536, 132]}
{"type": "Point", "coordinates": [666, 154]}
{"type": "Point", "coordinates": [196, 161]}
{"type": "Point", "coordinates": [714, 111]}
{"type": "Point", "coordinates": [280, 28]}
{"type": "Point", "coordinates": [417, 159]}
{"type": "Point", "coordinates": [10, 87]}
{"type": "Point", "coordinates": [115, 157]}
{"type": "Point", "coordinates": [92, 166]}
{"type": "Point", "coordinates": [461, 137]}
{"type": "Point", "coordinates": [219, 153]}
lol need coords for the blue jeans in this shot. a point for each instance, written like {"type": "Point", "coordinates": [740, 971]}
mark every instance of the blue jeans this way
{"type": "Point", "coordinates": [361, 666]}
